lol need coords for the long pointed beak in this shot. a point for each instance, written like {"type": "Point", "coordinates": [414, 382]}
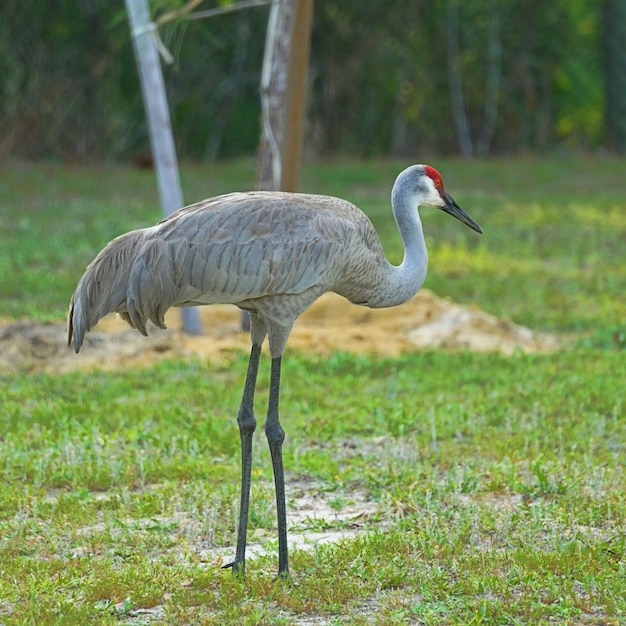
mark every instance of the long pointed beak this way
{"type": "Point", "coordinates": [452, 208]}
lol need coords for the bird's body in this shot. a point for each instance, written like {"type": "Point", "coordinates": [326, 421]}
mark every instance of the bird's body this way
{"type": "Point", "coordinates": [272, 254]}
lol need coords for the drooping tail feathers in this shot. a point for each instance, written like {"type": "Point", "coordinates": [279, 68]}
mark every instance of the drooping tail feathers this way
{"type": "Point", "coordinates": [126, 277]}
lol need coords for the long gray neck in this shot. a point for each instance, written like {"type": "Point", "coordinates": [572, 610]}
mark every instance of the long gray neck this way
{"type": "Point", "coordinates": [402, 282]}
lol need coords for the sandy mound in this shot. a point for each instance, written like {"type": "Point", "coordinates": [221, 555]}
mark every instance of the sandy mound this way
{"type": "Point", "coordinates": [331, 324]}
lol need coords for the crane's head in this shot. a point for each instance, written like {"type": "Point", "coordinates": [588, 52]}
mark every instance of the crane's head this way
{"type": "Point", "coordinates": [427, 184]}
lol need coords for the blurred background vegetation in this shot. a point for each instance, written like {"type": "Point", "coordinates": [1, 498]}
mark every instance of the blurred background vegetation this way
{"type": "Point", "coordinates": [388, 77]}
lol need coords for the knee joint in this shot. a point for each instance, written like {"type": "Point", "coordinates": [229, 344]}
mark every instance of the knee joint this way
{"type": "Point", "coordinates": [246, 421]}
{"type": "Point", "coordinates": [274, 432]}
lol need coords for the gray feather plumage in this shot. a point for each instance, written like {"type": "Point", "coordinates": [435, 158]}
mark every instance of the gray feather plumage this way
{"type": "Point", "coordinates": [241, 248]}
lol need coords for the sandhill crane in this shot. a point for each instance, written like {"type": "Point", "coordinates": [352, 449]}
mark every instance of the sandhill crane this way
{"type": "Point", "coordinates": [271, 254]}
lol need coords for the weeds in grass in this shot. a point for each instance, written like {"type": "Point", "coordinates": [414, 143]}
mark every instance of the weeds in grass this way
{"type": "Point", "coordinates": [512, 515]}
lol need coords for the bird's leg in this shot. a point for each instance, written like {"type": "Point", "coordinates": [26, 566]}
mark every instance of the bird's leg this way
{"type": "Point", "coordinates": [275, 437]}
{"type": "Point", "coordinates": [247, 425]}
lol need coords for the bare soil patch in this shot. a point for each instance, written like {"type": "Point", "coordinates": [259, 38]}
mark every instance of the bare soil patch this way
{"type": "Point", "coordinates": [331, 324]}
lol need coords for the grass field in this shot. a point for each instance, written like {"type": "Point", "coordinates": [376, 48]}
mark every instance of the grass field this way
{"type": "Point", "coordinates": [494, 486]}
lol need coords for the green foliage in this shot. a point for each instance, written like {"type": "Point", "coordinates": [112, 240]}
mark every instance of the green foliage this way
{"type": "Point", "coordinates": [614, 57]}
{"type": "Point", "coordinates": [379, 80]}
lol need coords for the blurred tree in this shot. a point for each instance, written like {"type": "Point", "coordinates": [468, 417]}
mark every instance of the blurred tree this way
{"type": "Point", "coordinates": [614, 39]}
{"type": "Point", "coordinates": [214, 84]}
{"type": "Point", "coordinates": [531, 75]}
{"type": "Point", "coordinates": [158, 120]}
{"type": "Point", "coordinates": [492, 68]}
{"type": "Point", "coordinates": [274, 85]}
{"type": "Point", "coordinates": [60, 71]}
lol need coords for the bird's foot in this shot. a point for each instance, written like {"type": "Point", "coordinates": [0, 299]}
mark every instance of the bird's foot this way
{"type": "Point", "coordinates": [237, 567]}
{"type": "Point", "coordinates": [283, 577]}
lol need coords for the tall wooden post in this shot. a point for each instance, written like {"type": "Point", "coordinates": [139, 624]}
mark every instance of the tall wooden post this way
{"type": "Point", "coordinates": [295, 106]}
{"type": "Point", "coordinates": [283, 93]}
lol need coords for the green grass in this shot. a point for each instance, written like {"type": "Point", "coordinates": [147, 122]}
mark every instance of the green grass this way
{"type": "Point", "coordinates": [496, 484]}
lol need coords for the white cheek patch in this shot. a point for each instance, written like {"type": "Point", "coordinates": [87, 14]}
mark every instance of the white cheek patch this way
{"type": "Point", "coordinates": [433, 198]}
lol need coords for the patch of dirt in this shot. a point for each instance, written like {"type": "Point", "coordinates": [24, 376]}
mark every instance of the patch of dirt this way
{"type": "Point", "coordinates": [331, 324]}
{"type": "Point", "coordinates": [312, 520]}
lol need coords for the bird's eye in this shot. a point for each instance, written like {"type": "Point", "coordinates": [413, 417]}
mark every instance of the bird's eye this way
{"type": "Point", "coordinates": [438, 183]}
